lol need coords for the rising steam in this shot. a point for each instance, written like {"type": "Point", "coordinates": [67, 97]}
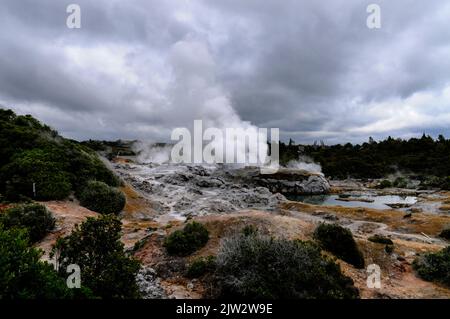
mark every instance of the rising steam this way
{"type": "Point", "coordinates": [195, 94]}
{"type": "Point", "coordinates": [305, 163]}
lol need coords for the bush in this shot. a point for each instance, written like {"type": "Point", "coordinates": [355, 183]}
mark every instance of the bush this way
{"type": "Point", "coordinates": [339, 241]}
{"type": "Point", "coordinates": [88, 166]}
{"type": "Point", "coordinates": [380, 240]}
{"type": "Point", "coordinates": [101, 198]}
{"type": "Point", "coordinates": [434, 266]}
{"type": "Point", "coordinates": [384, 184]}
{"type": "Point", "coordinates": [38, 168]}
{"type": "Point", "coordinates": [431, 182]}
{"type": "Point", "coordinates": [389, 249]}
{"type": "Point", "coordinates": [96, 247]}
{"type": "Point", "coordinates": [260, 267]}
{"type": "Point", "coordinates": [400, 182]}
{"type": "Point", "coordinates": [445, 183]}
{"type": "Point", "coordinates": [184, 242]}
{"type": "Point", "coordinates": [35, 218]}
{"type": "Point", "coordinates": [22, 274]}
{"type": "Point", "coordinates": [250, 230]}
{"type": "Point", "coordinates": [201, 266]}
{"type": "Point", "coordinates": [32, 152]}
{"type": "Point", "coordinates": [445, 234]}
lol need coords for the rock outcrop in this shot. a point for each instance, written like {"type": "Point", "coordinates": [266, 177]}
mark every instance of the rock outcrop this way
{"type": "Point", "coordinates": [149, 284]}
{"type": "Point", "coordinates": [288, 181]}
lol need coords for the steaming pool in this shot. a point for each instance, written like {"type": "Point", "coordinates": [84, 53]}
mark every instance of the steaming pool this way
{"type": "Point", "coordinates": [366, 201]}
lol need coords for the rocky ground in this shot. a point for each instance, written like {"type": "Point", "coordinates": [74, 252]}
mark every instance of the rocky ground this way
{"type": "Point", "coordinates": [161, 198]}
{"type": "Point", "coordinates": [188, 191]}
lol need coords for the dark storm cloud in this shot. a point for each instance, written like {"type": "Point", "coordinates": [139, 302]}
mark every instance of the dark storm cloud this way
{"type": "Point", "coordinates": [313, 60]}
{"type": "Point", "coordinates": [136, 69]}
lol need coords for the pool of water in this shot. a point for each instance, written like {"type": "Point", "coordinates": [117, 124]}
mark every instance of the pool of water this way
{"type": "Point", "coordinates": [368, 201]}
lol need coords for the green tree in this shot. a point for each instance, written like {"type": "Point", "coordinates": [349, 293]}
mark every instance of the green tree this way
{"type": "Point", "coordinates": [36, 167]}
{"type": "Point", "coordinates": [35, 218]}
{"type": "Point", "coordinates": [22, 274]}
{"type": "Point", "coordinates": [33, 153]}
{"type": "Point", "coordinates": [96, 247]}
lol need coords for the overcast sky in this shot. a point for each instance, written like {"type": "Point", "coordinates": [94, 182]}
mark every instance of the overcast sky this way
{"type": "Point", "coordinates": [137, 69]}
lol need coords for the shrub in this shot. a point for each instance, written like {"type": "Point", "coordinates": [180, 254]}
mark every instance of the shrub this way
{"type": "Point", "coordinates": [389, 249]}
{"type": "Point", "coordinates": [380, 240]}
{"type": "Point", "coordinates": [101, 198]}
{"type": "Point", "coordinates": [38, 168]}
{"type": "Point", "coordinates": [445, 234]}
{"type": "Point", "coordinates": [184, 242]}
{"type": "Point", "coordinates": [37, 220]}
{"type": "Point", "coordinates": [384, 184]}
{"type": "Point", "coordinates": [434, 266]}
{"type": "Point", "coordinates": [96, 247]}
{"type": "Point", "coordinates": [430, 182]}
{"type": "Point", "coordinates": [201, 266]}
{"type": "Point", "coordinates": [88, 166]}
{"type": "Point", "coordinates": [400, 182]}
{"type": "Point", "coordinates": [22, 274]}
{"type": "Point", "coordinates": [261, 267]}
{"type": "Point", "coordinates": [250, 230]}
{"type": "Point", "coordinates": [339, 241]}
{"type": "Point", "coordinates": [32, 152]}
{"type": "Point", "coordinates": [445, 183]}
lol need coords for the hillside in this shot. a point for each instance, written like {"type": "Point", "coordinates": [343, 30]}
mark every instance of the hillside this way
{"type": "Point", "coordinates": [32, 153]}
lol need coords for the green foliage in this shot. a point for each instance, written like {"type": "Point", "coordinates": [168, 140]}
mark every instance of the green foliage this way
{"type": "Point", "coordinates": [339, 241]}
{"type": "Point", "coordinates": [36, 166]}
{"type": "Point", "coordinates": [88, 166]}
{"type": "Point", "coordinates": [22, 274]}
{"type": "Point", "coordinates": [400, 182]}
{"type": "Point", "coordinates": [261, 267]}
{"type": "Point", "coordinates": [35, 218]}
{"type": "Point", "coordinates": [384, 184]}
{"type": "Point", "coordinates": [434, 266]}
{"type": "Point", "coordinates": [184, 242]}
{"type": "Point", "coordinates": [201, 266]}
{"type": "Point", "coordinates": [380, 240]}
{"type": "Point", "coordinates": [139, 244]}
{"type": "Point", "coordinates": [250, 230]}
{"type": "Point", "coordinates": [445, 183]}
{"type": "Point", "coordinates": [96, 247]}
{"type": "Point", "coordinates": [33, 153]}
{"type": "Point", "coordinates": [431, 182]}
{"type": "Point", "coordinates": [445, 234]}
{"type": "Point", "coordinates": [422, 156]}
{"type": "Point", "coordinates": [100, 197]}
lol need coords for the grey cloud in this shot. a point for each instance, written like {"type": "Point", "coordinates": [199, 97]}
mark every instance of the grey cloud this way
{"type": "Point", "coordinates": [311, 68]}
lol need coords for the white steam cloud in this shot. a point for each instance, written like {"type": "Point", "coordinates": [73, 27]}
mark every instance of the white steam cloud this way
{"type": "Point", "coordinates": [193, 93]}
{"type": "Point", "coordinates": [305, 163]}
{"type": "Point", "coordinates": [148, 152]}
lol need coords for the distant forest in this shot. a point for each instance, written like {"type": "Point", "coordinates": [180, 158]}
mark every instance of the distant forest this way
{"type": "Point", "coordinates": [423, 157]}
